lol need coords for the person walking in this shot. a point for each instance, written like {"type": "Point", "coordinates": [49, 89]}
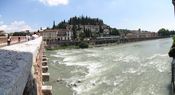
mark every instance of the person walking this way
{"type": "Point", "coordinates": [28, 37]}
{"type": "Point", "coordinates": [19, 39]}
{"type": "Point", "coordinates": [34, 36]}
{"type": "Point", "coordinates": [8, 39]}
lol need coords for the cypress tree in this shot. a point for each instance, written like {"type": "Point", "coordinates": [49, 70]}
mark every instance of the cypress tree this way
{"type": "Point", "coordinates": [54, 26]}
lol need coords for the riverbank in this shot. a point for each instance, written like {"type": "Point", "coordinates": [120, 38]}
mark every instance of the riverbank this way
{"type": "Point", "coordinates": [113, 44]}
{"type": "Point", "coordinates": [62, 47]}
{"type": "Point", "coordinates": [90, 45]}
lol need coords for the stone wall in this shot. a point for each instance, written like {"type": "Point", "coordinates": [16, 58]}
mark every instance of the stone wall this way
{"type": "Point", "coordinates": [16, 64]}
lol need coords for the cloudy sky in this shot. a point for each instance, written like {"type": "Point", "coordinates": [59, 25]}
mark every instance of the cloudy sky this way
{"type": "Point", "coordinates": [151, 15]}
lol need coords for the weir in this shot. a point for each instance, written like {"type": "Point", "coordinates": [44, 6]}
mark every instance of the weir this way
{"type": "Point", "coordinates": [21, 69]}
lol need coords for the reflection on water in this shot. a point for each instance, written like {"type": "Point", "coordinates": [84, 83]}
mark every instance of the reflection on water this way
{"type": "Point", "coordinates": [141, 68]}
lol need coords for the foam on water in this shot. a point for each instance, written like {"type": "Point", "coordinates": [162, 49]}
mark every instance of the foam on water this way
{"type": "Point", "coordinates": [158, 62]}
{"type": "Point", "coordinates": [92, 79]}
{"type": "Point", "coordinates": [63, 53]}
{"type": "Point", "coordinates": [127, 59]}
{"type": "Point", "coordinates": [54, 55]}
{"type": "Point", "coordinates": [93, 68]}
{"type": "Point", "coordinates": [69, 59]}
{"type": "Point", "coordinates": [55, 62]}
{"type": "Point", "coordinates": [130, 69]}
{"type": "Point", "coordinates": [93, 55]}
{"type": "Point", "coordinates": [157, 55]}
{"type": "Point", "coordinates": [118, 80]}
{"type": "Point", "coordinates": [86, 86]}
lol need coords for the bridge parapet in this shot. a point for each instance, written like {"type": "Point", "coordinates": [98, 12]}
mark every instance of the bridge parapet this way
{"type": "Point", "coordinates": [16, 64]}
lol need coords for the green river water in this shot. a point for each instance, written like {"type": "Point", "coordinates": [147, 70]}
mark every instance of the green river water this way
{"type": "Point", "coordinates": [140, 68]}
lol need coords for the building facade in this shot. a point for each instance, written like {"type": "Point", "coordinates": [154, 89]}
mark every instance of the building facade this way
{"type": "Point", "coordinates": [140, 34]}
{"type": "Point", "coordinates": [57, 34]}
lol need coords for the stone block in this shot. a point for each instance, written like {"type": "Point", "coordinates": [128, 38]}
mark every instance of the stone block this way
{"type": "Point", "coordinates": [47, 90]}
{"type": "Point", "coordinates": [45, 69]}
{"type": "Point", "coordinates": [44, 59]}
{"type": "Point", "coordinates": [45, 77]}
{"type": "Point", "coordinates": [44, 56]}
{"type": "Point", "coordinates": [44, 63]}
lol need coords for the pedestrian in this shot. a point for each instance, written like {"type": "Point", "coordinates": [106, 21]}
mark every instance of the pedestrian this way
{"type": "Point", "coordinates": [8, 39]}
{"type": "Point", "coordinates": [19, 39]}
{"type": "Point", "coordinates": [28, 37]}
{"type": "Point", "coordinates": [34, 36]}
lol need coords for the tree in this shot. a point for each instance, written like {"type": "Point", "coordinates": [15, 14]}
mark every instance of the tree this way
{"type": "Point", "coordinates": [85, 21]}
{"type": "Point", "coordinates": [164, 32]}
{"type": "Point", "coordinates": [83, 45]}
{"type": "Point", "coordinates": [61, 25]}
{"type": "Point", "coordinates": [172, 32]}
{"type": "Point", "coordinates": [114, 32]}
{"type": "Point", "coordinates": [139, 30]}
{"type": "Point", "coordinates": [19, 34]}
{"type": "Point", "coordinates": [74, 29]}
{"type": "Point", "coordinates": [88, 33]}
{"type": "Point", "coordinates": [54, 26]}
{"type": "Point", "coordinates": [78, 27]}
{"type": "Point", "coordinates": [47, 28]}
{"type": "Point", "coordinates": [82, 36]}
{"type": "Point", "coordinates": [100, 29]}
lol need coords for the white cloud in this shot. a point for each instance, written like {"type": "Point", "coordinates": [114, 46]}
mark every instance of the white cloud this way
{"type": "Point", "coordinates": [15, 26]}
{"type": "Point", "coordinates": [54, 2]}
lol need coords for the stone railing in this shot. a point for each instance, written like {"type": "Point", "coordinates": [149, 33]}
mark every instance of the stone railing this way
{"type": "Point", "coordinates": [14, 39]}
{"type": "Point", "coordinates": [16, 66]}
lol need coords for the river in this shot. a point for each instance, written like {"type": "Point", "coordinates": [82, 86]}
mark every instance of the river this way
{"type": "Point", "coordinates": [140, 68]}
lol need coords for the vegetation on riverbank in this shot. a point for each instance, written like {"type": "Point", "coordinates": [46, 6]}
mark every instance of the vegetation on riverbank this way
{"type": "Point", "coordinates": [81, 45]}
{"type": "Point", "coordinates": [165, 32]}
{"type": "Point", "coordinates": [172, 49]}
{"type": "Point", "coordinates": [58, 47]}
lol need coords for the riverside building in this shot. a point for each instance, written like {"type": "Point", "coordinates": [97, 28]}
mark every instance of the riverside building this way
{"type": "Point", "coordinates": [57, 34]}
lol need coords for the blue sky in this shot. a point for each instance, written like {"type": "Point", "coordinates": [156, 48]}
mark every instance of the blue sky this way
{"type": "Point", "coordinates": [151, 15]}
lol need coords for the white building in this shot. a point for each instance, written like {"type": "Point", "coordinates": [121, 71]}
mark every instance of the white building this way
{"type": "Point", "coordinates": [57, 34]}
{"type": "Point", "coordinates": [140, 34]}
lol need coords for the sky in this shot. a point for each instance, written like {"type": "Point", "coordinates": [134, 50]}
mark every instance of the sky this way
{"type": "Point", "coordinates": [150, 15]}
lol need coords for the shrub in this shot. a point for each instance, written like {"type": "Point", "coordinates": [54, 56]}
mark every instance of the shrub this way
{"type": "Point", "coordinates": [83, 45]}
{"type": "Point", "coordinates": [172, 50]}
{"type": "Point", "coordinates": [64, 45]}
{"type": "Point", "coordinates": [174, 39]}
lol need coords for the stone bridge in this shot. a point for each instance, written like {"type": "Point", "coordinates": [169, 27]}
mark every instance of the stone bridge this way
{"type": "Point", "coordinates": [21, 70]}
